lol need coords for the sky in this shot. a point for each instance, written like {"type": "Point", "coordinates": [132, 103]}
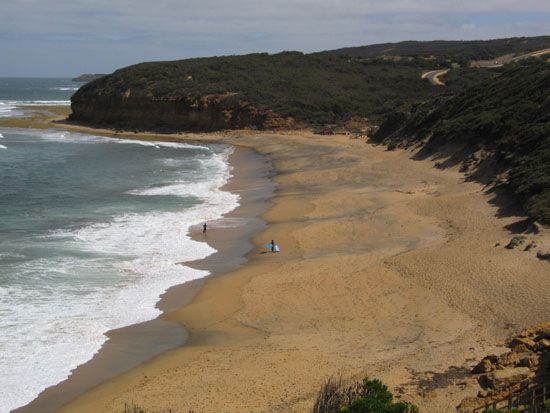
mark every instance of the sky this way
{"type": "Point", "coordinates": [64, 38]}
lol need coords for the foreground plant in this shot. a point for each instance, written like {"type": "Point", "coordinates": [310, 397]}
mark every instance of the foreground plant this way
{"type": "Point", "coordinates": [368, 396]}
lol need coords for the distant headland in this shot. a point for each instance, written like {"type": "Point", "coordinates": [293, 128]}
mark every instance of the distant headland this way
{"type": "Point", "coordinates": [87, 77]}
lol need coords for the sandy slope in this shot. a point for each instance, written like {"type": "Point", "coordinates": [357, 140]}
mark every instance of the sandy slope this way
{"type": "Point", "coordinates": [388, 268]}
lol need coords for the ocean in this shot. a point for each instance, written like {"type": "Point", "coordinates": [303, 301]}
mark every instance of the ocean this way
{"type": "Point", "coordinates": [33, 91]}
{"type": "Point", "coordinates": [92, 231]}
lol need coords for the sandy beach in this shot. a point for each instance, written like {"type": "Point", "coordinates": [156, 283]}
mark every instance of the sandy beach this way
{"type": "Point", "coordinates": [130, 346]}
{"type": "Point", "coordinates": [389, 267]}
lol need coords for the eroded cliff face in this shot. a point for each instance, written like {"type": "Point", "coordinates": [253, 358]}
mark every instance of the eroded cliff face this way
{"type": "Point", "coordinates": [205, 113]}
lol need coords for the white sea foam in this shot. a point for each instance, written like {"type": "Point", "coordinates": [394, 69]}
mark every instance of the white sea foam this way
{"type": "Point", "coordinates": [15, 108]}
{"type": "Point", "coordinates": [6, 109]}
{"type": "Point", "coordinates": [63, 325]}
{"type": "Point", "coordinates": [63, 88]}
{"type": "Point", "coordinates": [1, 136]}
{"type": "Point", "coordinates": [3, 147]}
{"type": "Point", "coordinates": [64, 136]}
{"type": "Point", "coordinates": [42, 103]}
{"type": "Point", "coordinates": [215, 196]}
{"type": "Point", "coordinates": [173, 163]}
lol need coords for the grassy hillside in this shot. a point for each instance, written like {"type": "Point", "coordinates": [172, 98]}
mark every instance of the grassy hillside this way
{"type": "Point", "coordinates": [454, 50]}
{"type": "Point", "coordinates": [459, 79]}
{"type": "Point", "coordinates": [508, 117]}
{"type": "Point", "coordinates": [311, 89]}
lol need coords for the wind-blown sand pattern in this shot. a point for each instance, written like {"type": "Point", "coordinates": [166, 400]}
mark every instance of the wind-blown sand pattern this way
{"type": "Point", "coordinates": [388, 268]}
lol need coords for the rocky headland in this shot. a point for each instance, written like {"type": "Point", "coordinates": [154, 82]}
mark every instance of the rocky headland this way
{"type": "Point", "coordinates": [259, 91]}
{"type": "Point", "coordinates": [87, 77]}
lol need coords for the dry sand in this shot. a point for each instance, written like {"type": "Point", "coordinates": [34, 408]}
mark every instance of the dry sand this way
{"type": "Point", "coordinates": [388, 268]}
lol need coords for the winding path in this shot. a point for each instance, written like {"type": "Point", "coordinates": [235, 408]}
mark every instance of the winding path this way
{"type": "Point", "coordinates": [433, 76]}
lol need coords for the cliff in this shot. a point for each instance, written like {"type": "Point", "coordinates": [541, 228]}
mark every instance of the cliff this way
{"type": "Point", "coordinates": [205, 113]}
{"type": "Point", "coordinates": [286, 89]}
{"type": "Point", "coordinates": [257, 90]}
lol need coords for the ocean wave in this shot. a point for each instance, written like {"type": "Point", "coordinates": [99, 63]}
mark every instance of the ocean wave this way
{"type": "Point", "coordinates": [64, 88]}
{"type": "Point", "coordinates": [156, 144]}
{"type": "Point", "coordinates": [65, 136]}
{"type": "Point", "coordinates": [6, 104]}
{"type": "Point", "coordinates": [141, 250]}
{"type": "Point", "coordinates": [209, 192]}
{"type": "Point", "coordinates": [15, 108]}
{"type": "Point", "coordinates": [42, 103]}
{"type": "Point", "coordinates": [56, 135]}
{"type": "Point", "coordinates": [66, 342]}
{"type": "Point", "coordinates": [6, 109]}
{"type": "Point", "coordinates": [3, 147]}
{"type": "Point", "coordinates": [173, 163]}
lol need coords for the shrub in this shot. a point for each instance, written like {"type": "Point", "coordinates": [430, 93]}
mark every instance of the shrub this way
{"type": "Point", "coordinates": [369, 396]}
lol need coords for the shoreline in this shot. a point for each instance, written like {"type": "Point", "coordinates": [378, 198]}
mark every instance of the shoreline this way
{"type": "Point", "coordinates": [132, 345]}
{"type": "Point", "coordinates": [389, 267]}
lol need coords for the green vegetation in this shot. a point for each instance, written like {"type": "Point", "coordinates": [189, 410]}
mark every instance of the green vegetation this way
{"type": "Point", "coordinates": [457, 51]}
{"type": "Point", "coordinates": [310, 89]}
{"type": "Point", "coordinates": [457, 80]}
{"type": "Point", "coordinates": [369, 396]}
{"type": "Point", "coordinates": [314, 89]}
{"type": "Point", "coordinates": [508, 116]}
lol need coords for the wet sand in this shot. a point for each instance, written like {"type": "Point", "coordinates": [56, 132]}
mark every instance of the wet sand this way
{"type": "Point", "coordinates": [389, 267]}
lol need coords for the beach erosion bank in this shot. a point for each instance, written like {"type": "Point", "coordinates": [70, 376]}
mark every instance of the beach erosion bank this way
{"type": "Point", "coordinates": [388, 268]}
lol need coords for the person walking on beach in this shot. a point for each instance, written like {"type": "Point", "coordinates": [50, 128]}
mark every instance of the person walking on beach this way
{"type": "Point", "coordinates": [204, 228]}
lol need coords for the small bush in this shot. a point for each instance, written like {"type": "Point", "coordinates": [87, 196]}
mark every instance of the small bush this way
{"type": "Point", "coordinates": [369, 396]}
